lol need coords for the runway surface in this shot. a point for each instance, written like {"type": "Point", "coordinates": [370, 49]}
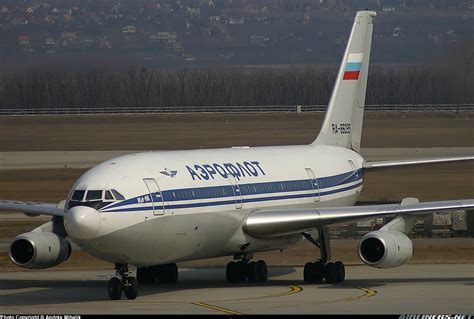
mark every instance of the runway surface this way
{"type": "Point", "coordinates": [407, 289]}
{"type": "Point", "coordinates": [87, 159]}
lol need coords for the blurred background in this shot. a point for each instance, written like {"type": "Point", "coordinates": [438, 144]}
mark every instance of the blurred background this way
{"type": "Point", "coordinates": [87, 53]}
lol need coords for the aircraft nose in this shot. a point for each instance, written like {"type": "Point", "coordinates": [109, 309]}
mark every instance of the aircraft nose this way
{"type": "Point", "coordinates": [82, 222]}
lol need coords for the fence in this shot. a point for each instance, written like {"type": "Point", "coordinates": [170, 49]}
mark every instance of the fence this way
{"type": "Point", "coordinates": [233, 109]}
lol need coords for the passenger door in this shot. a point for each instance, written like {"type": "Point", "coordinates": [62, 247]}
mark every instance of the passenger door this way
{"type": "Point", "coordinates": [155, 196]}
{"type": "Point", "coordinates": [236, 189]}
{"type": "Point", "coordinates": [314, 183]}
{"type": "Point", "coordinates": [354, 169]}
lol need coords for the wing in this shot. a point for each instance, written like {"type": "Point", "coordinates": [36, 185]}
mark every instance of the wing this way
{"type": "Point", "coordinates": [32, 208]}
{"type": "Point", "coordinates": [386, 164]}
{"type": "Point", "coordinates": [273, 223]}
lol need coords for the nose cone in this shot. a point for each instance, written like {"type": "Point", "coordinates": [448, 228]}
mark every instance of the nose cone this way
{"type": "Point", "coordinates": [82, 222]}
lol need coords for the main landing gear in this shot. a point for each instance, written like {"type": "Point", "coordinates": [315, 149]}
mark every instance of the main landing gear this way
{"type": "Point", "coordinates": [123, 282]}
{"type": "Point", "coordinates": [164, 274]}
{"type": "Point", "coordinates": [323, 271]}
{"type": "Point", "coordinates": [246, 270]}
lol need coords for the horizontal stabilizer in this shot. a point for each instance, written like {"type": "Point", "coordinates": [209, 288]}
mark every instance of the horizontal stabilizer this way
{"type": "Point", "coordinates": [396, 163]}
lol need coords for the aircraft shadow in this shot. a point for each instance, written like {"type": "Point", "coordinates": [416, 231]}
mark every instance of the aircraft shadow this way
{"type": "Point", "coordinates": [46, 292]}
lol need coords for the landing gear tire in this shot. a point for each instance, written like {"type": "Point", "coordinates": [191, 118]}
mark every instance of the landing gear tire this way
{"type": "Point", "coordinates": [115, 289]}
{"type": "Point", "coordinates": [122, 283]}
{"type": "Point", "coordinates": [313, 272]}
{"type": "Point", "coordinates": [262, 270]}
{"type": "Point", "coordinates": [167, 274]}
{"type": "Point", "coordinates": [242, 271]}
{"type": "Point", "coordinates": [330, 273]}
{"type": "Point", "coordinates": [322, 270]}
{"type": "Point", "coordinates": [252, 272]}
{"type": "Point", "coordinates": [131, 288]}
{"type": "Point", "coordinates": [173, 272]}
{"type": "Point", "coordinates": [231, 272]}
{"type": "Point", "coordinates": [318, 272]}
{"type": "Point", "coordinates": [146, 275]}
{"type": "Point", "coordinates": [340, 271]}
{"type": "Point", "coordinates": [308, 274]}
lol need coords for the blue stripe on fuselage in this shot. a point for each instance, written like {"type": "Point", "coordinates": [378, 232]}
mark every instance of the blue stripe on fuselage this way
{"type": "Point", "coordinates": [216, 192]}
{"type": "Point", "coordinates": [233, 201]}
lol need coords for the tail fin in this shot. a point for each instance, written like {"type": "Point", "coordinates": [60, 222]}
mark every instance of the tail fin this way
{"type": "Point", "coordinates": [342, 124]}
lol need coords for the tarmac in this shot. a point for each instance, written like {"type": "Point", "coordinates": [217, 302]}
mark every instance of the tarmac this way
{"type": "Point", "coordinates": [409, 289]}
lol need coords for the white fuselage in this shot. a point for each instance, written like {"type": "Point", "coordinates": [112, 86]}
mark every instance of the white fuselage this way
{"type": "Point", "coordinates": [185, 205]}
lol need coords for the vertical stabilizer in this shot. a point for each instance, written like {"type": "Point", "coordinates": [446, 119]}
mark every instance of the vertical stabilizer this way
{"type": "Point", "coordinates": [342, 124]}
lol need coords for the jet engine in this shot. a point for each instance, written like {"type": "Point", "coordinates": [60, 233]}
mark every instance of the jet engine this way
{"type": "Point", "coordinates": [37, 250]}
{"type": "Point", "coordinates": [385, 249]}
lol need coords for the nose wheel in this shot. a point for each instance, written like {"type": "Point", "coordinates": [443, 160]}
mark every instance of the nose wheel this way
{"type": "Point", "coordinates": [122, 283]}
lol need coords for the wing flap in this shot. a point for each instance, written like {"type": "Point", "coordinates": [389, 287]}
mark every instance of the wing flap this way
{"type": "Point", "coordinates": [32, 208]}
{"type": "Point", "coordinates": [270, 223]}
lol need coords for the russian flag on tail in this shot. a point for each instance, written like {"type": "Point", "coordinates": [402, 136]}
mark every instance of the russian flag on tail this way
{"type": "Point", "coordinates": [353, 64]}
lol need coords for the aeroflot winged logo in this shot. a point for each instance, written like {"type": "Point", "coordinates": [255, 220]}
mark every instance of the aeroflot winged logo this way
{"type": "Point", "coordinates": [169, 173]}
{"type": "Point", "coordinates": [236, 169]}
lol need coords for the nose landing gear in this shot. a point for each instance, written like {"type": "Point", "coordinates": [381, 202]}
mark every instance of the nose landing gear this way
{"type": "Point", "coordinates": [123, 282]}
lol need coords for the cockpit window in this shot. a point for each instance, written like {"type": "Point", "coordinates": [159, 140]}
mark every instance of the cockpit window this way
{"type": "Point", "coordinates": [93, 195]}
{"type": "Point", "coordinates": [117, 195]}
{"type": "Point", "coordinates": [78, 195]}
{"type": "Point", "coordinates": [94, 198]}
{"type": "Point", "coordinates": [108, 196]}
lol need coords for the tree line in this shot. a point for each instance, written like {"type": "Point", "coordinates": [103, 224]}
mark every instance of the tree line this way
{"type": "Point", "coordinates": [226, 86]}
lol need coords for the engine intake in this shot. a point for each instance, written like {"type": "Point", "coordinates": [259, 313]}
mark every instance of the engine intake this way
{"type": "Point", "coordinates": [35, 250]}
{"type": "Point", "coordinates": [385, 249]}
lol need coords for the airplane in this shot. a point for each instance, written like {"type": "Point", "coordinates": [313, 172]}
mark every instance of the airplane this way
{"type": "Point", "coordinates": [145, 212]}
